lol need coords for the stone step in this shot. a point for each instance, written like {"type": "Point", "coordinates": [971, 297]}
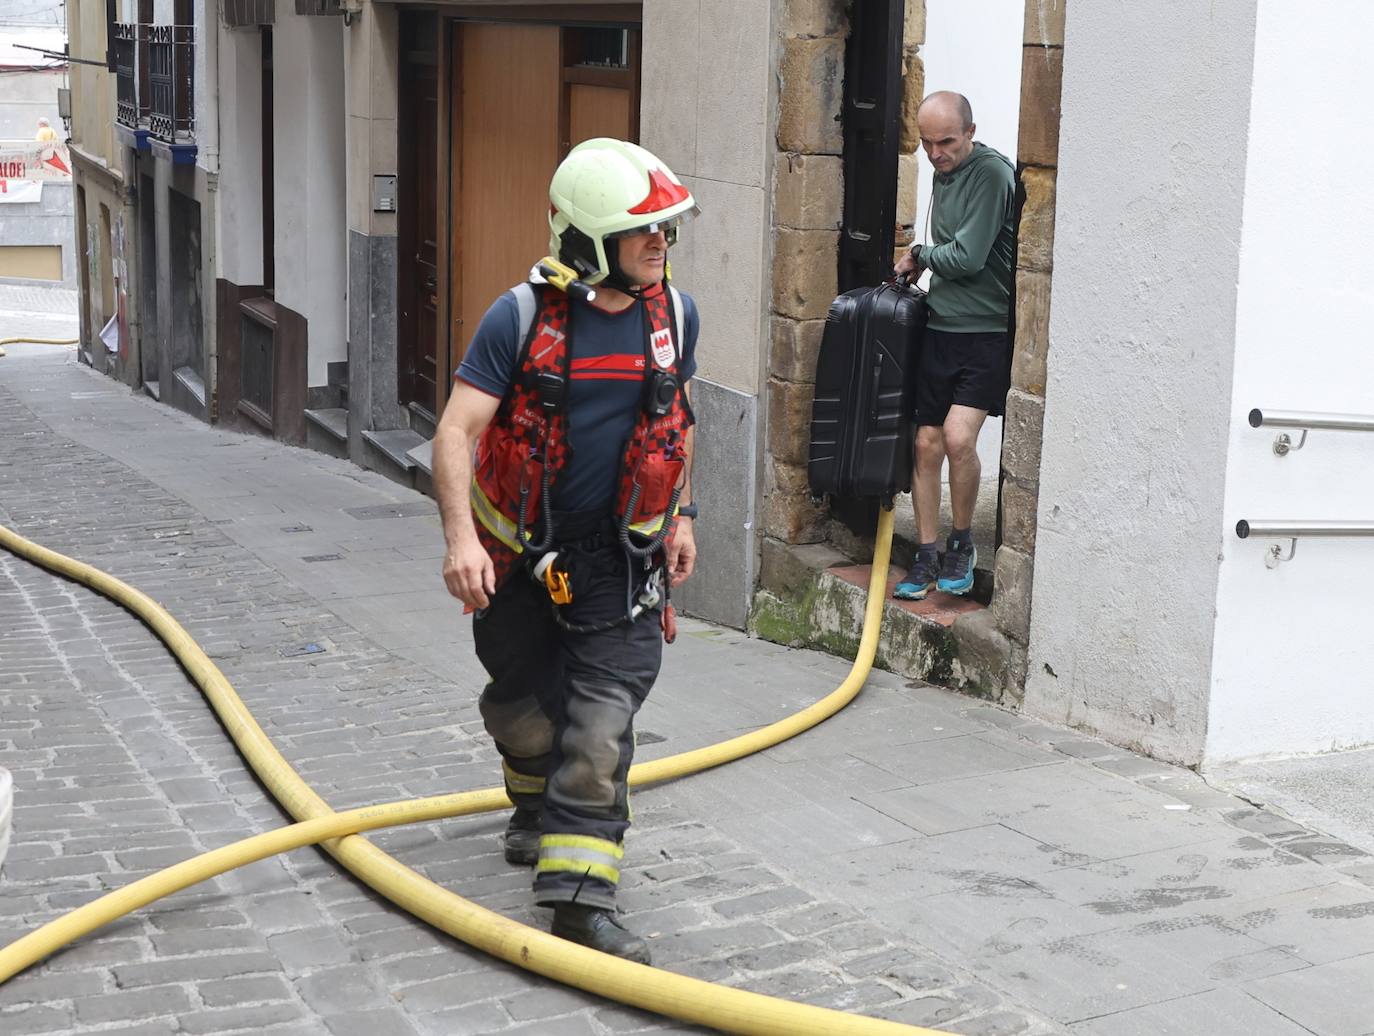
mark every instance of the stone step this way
{"type": "Point", "coordinates": [423, 456]}
{"type": "Point", "coordinates": [819, 603]}
{"type": "Point", "coordinates": [326, 430]}
{"type": "Point", "coordinates": [905, 540]}
{"type": "Point", "coordinates": [421, 420]}
{"type": "Point", "coordinates": [386, 452]}
{"type": "Point", "coordinates": [331, 420]}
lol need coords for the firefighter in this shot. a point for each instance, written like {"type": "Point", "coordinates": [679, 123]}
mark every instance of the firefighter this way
{"type": "Point", "coordinates": [562, 465]}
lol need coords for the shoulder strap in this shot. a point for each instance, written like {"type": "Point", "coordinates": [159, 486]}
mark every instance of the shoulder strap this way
{"type": "Point", "coordinates": [526, 304]}
{"type": "Point", "coordinates": [679, 320]}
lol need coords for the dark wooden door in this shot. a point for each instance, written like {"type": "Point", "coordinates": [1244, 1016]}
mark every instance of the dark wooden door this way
{"type": "Point", "coordinates": [418, 212]}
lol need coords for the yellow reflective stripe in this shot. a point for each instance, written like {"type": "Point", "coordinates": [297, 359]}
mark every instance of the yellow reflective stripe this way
{"type": "Point", "coordinates": [650, 525]}
{"type": "Point", "coordinates": [496, 523]}
{"type": "Point", "coordinates": [554, 865]}
{"type": "Point", "coordinates": [596, 845]}
{"type": "Point", "coordinates": [522, 783]}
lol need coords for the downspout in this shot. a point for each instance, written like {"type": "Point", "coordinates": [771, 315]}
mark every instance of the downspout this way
{"type": "Point", "coordinates": [872, 118]}
{"type": "Point", "coordinates": [207, 138]}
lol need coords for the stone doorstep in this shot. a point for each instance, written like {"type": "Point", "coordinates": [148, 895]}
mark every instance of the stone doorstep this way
{"type": "Point", "coordinates": [917, 639]}
{"type": "Point", "coordinates": [386, 453]}
{"type": "Point", "coordinates": [331, 420]}
{"type": "Point", "coordinates": [940, 608]}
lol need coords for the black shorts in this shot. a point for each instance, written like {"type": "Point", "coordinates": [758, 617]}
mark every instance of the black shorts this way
{"type": "Point", "coordinates": [968, 368]}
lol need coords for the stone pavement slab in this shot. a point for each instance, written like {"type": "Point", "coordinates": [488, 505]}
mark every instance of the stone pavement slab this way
{"type": "Point", "coordinates": [921, 856]}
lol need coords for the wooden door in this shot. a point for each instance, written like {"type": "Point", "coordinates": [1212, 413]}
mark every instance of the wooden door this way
{"type": "Point", "coordinates": [505, 148]}
{"type": "Point", "coordinates": [418, 345]}
{"type": "Point", "coordinates": [523, 93]}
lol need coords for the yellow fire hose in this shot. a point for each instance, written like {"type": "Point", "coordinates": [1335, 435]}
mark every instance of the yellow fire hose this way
{"type": "Point", "coordinates": [35, 341]}
{"type": "Point", "coordinates": [667, 993]}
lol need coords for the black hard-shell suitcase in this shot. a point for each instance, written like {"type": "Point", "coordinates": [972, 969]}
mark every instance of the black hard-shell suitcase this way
{"type": "Point", "coordinates": [861, 428]}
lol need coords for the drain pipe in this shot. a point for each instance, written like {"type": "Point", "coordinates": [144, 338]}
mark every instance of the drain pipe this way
{"type": "Point", "coordinates": [872, 138]}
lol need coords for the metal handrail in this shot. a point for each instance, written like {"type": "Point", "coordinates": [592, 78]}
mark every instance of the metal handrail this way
{"type": "Point", "coordinates": [1283, 443]}
{"type": "Point", "coordinates": [1245, 529]}
{"type": "Point", "coordinates": [1291, 530]}
{"type": "Point", "coordinates": [1302, 419]}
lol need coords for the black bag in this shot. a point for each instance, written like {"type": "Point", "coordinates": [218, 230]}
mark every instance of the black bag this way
{"type": "Point", "coordinates": [861, 427]}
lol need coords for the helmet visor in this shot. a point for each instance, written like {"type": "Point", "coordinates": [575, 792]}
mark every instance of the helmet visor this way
{"type": "Point", "coordinates": [668, 226]}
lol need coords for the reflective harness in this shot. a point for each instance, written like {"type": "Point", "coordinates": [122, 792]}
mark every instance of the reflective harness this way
{"type": "Point", "coordinates": [524, 448]}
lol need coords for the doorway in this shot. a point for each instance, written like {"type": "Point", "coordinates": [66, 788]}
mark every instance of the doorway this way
{"type": "Point", "coordinates": [488, 109]}
{"type": "Point", "coordinates": [418, 222]}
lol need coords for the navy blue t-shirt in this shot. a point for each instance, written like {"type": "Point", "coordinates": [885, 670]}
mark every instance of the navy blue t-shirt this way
{"type": "Point", "coordinates": [605, 393]}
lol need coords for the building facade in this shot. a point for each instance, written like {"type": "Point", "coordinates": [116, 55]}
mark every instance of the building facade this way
{"type": "Point", "coordinates": [307, 208]}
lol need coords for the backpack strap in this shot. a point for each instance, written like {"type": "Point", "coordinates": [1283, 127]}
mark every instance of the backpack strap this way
{"type": "Point", "coordinates": [526, 303]}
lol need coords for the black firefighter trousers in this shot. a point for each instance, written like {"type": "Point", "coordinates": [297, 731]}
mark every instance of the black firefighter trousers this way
{"type": "Point", "coordinates": [561, 706]}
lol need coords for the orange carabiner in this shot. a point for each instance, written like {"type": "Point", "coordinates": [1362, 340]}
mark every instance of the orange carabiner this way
{"type": "Point", "coordinates": [557, 584]}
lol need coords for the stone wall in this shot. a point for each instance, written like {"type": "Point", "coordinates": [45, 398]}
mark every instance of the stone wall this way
{"type": "Point", "coordinates": [808, 191]}
{"type": "Point", "coordinates": [992, 645]}
{"type": "Point", "coordinates": [1042, 64]}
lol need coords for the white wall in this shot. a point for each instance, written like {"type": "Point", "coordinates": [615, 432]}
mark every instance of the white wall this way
{"type": "Point", "coordinates": [239, 212]}
{"type": "Point", "coordinates": [27, 96]}
{"type": "Point", "coordinates": [310, 244]}
{"type": "Point", "coordinates": [204, 100]}
{"type": "Point", "coordinates": [975, 50]}
{"type": "Point", "coordinates": [1293, 668]}
{"type": "Point", "coordinates": [1153, 141]}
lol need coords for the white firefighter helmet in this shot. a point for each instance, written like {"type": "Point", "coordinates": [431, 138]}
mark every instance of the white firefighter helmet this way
{"type": "Point", "coordinates": [607, 189]}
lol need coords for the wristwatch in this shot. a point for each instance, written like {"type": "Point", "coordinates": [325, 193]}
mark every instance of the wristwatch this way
{"type": "Point", "coordinates": [915, 252]}
{"type": "Point", "coordinates": [687, 510]}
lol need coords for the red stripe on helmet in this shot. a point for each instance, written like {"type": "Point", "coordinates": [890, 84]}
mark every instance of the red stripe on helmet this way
{"type": "Point", "coordinates": [663, 194]}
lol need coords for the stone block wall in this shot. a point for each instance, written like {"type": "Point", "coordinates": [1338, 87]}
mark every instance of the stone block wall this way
{"type": "Point", "coordinates": [1042, 64]}
{"type": "Point", "coordinates": [808, 205]}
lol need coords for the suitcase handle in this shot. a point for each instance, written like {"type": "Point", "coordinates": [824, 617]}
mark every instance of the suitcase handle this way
{"type": "Point", "coordinates": [877, 386]}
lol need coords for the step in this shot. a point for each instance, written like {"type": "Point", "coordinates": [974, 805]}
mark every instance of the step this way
{"type": "Point", "coordinates": [192, 382]}
{"type": "Point", "coordinates": [818, 600]}
{"type": "Point", "coordinates": [326, 430]}
{"type": "Point", "coordinates": [905, 540]}
{"type": "Point", "coordinates": [421, 420]}
{"type": "Point", "coordinates": [423, 456]}
{"type": "Point", "coordinates": [333, 421]}
{"type": "Point", "coordinates": [387, 451]}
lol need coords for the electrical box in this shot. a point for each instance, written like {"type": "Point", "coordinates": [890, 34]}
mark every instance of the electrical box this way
{"type": "Point", "coordinates": [384, 194]}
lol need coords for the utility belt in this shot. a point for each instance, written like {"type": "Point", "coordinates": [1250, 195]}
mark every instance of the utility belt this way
{"type": "Point", "coordinates": [577, 538]}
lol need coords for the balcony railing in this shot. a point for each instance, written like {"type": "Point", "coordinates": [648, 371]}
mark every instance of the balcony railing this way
{"type": "Point", "coordinates": [171, 79]}
{"type": "Point", "coordinates": [126, 71]}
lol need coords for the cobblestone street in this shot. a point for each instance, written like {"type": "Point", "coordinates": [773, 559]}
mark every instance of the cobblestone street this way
{"type": "Point", "coordinates": [922, 857]}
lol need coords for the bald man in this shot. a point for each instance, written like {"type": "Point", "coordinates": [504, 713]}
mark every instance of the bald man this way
{"type": "Point", "coordinates": [965, 366]}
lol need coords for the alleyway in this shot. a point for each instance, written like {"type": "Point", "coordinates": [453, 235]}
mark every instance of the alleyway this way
{"type": "Point", "coordinates": [921, 857]}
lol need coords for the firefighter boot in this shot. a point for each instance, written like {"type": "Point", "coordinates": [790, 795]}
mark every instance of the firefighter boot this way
{"type": "Point", "coordinates": [522, 838]}
{"type": "Point", "coordinates": [599, 930]}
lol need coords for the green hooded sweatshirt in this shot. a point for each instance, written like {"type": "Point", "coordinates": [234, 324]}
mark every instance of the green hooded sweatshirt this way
{"type": "Point", "coordinates": [971, 258]}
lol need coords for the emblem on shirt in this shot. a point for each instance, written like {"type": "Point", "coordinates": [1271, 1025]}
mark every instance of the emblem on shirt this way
{"type": "Point", "coordinates": [661, 345]}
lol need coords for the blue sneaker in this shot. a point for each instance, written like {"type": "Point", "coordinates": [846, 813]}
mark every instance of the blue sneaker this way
{"type": "Point", "coordinates": [925, 571]}
{"type": "Point", "coordinates": [956, 574]}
